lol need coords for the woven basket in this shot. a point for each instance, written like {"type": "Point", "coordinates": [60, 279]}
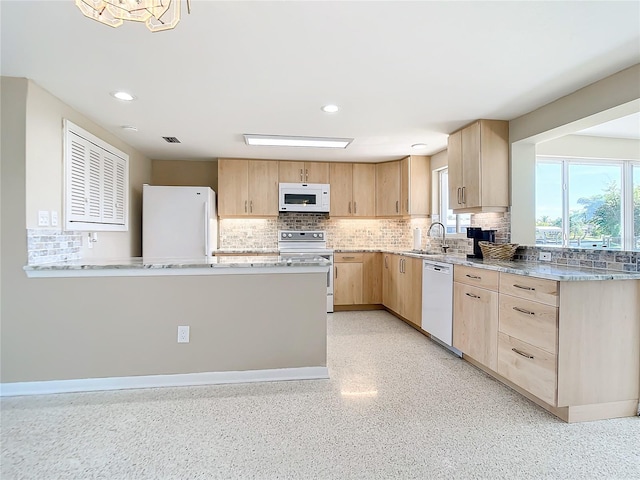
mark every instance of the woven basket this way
{"type": "Point", "coordinates": [498, 251]}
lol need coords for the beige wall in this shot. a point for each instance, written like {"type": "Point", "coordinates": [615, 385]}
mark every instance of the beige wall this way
{"type": "Point", "coordinates": [185, 173]}
{"type": "Point", "coordinates": [613, 97]}
{"type": "Point", "coordinates": [45, 170]}
{"type": "Point", "coordinates": [126, 326]}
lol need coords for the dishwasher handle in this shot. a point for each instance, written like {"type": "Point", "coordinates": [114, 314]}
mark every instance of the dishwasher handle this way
{"type": "Point", "coordinates": [437, 268]}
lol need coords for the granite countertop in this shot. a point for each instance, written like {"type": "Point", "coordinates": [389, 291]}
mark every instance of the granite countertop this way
{"type": "Point", "coordinates": [164, 263]}
{"type": "Point", "coordinates": [551, 271]}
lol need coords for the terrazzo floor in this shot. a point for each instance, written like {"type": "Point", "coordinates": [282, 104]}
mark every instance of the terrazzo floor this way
{"type": "Point", "coordinates": [397, 406]}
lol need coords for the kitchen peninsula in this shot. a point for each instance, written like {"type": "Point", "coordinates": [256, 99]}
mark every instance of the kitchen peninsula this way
{"type": "Point", "coordinates": [250, 318]}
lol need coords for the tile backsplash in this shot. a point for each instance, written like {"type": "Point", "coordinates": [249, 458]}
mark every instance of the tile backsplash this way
{"type": "Point", "coordinates": [578, 257]}
{"type": "Point", "coordinates": [47, 246]}
{"type": "Point", "coordinates": [342, 233]}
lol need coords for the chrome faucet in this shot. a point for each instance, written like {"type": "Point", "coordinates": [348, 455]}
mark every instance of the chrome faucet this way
{"type": "Point", "coordinates": [444, 231]}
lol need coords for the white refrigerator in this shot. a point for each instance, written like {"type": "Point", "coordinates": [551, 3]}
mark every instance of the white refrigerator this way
{"type": "Point", "coordinates": [178, 222]}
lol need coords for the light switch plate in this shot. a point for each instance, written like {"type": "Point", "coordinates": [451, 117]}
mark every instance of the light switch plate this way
{"type": "Point", "coordinates": [54, 218]}
{"type": "Point", "coordinates": [43, 218]}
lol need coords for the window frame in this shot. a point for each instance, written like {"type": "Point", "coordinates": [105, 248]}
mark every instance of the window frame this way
{"type": "Point", "coordinates": [626, 194]}
{"type": "Point", "coordinates": [440, 209]}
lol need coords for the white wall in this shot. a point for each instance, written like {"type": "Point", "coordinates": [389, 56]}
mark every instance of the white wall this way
{"type": "Point", "coordinates": [583, 146]}
{"type": "Point", "coordinates": [613, 97]}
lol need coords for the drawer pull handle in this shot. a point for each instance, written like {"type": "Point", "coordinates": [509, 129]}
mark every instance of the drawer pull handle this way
{"type": "Point", "coordinates": [475, 277]}
{"type": "Point", "coordinates": [522, 310]}
{"type": "Point", "coordinates": [522, 353]}
{"type": "Point", "coordinates": [348, 258]}
{"type": "Point", "coordinates": [523, 287]}
{"type": "Point", "coordinates": [471, 295]}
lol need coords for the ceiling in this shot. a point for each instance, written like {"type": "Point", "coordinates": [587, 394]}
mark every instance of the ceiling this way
{"type": "Point", "coordinates": [624, 127]}
{"type": "Point", "coordinates": [401, 72]}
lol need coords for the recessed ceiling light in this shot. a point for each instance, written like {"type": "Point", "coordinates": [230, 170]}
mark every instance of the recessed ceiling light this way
{"type": "Point", "coordinates": [130, 128]}
{"type": "Point", "coordinates": [330, 108]}
{"type": "Point", "coordinates": [289, 141]}
{"type": "Point", "coordinates": [120, 95]}
{"type": "Point", "coordinates": [419, 146]}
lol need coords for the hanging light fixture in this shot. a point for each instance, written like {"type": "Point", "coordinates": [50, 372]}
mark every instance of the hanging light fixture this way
{"type": "Point", "coordinates": [158, 15]}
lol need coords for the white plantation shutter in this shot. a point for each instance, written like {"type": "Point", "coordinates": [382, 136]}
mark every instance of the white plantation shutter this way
{"type": "Point", "coordinates": [77, 188]}
{"type": "Point", "coordinates": [97, 183]}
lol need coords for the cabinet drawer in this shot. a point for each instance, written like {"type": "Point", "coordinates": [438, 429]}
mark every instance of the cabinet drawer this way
{"type": "Point", "coordinates": [532, 369]}
{"type": "Point", "coordinates": [348, 257]}
{"type": "Point", "coordinates": [530, 288]}
{"type": "Point", "coordinates": [477, 277]}
{"type": "Point", "coordinates": [532, 322]}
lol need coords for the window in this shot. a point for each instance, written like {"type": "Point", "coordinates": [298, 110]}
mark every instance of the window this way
{"type": "Point", "coordinates": [588, 203]}
{"type": "Point", "coordinates": [96, 183]}
{"type": "Point", "coordinates": [454, 223]}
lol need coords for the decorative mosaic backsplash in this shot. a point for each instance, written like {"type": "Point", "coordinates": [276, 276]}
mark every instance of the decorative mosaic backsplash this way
{"type": "Point", "coordinates": [342, 233]}
{"type": "Point", "coordinates": [46, 246]}
{"type": "Point", "coordinates": [609, 259]}
{"type": "Point", "coordinates": [500, 222]}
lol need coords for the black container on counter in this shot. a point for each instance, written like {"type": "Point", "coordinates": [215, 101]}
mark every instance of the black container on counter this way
{"type": "Point", "coordinates": [479, 235]}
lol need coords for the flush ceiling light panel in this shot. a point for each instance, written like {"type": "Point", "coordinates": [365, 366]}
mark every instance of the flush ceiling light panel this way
{"type": "Point", "coordinates": [288, 141]}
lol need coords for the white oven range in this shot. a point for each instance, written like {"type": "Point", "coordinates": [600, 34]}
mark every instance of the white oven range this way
{"type": "Point", "coordinates": [295, 245]}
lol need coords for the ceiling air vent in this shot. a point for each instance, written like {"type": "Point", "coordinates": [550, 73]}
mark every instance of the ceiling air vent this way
{"type": "Point", "coordinates": [171, 139]}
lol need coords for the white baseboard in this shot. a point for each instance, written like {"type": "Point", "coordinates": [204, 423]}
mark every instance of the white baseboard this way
{"type": "Point", "coordinates": [154, 381]}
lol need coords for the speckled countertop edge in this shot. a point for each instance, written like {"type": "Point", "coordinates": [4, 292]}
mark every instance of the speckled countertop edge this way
{"type": "Point", "coordinates": [267, 258]}
{"type": "Point", "coordinates": [141, 263]}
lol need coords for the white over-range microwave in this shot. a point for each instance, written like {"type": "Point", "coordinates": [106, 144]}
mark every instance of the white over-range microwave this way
{"type": "Point", "coordinates": [304, 197]}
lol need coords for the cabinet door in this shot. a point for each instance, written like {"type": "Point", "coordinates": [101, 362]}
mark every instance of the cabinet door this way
{"type": "Point", "coordinates": [405, 185]}
{"type": "Point", "coordinates": [391, 276]}
{"type": "Point", "coordinates": [411, 290]}
{"type": "Point", "coordinates": [372, 279]}
{"type": "Point", "coordinates": [341, 175]}
{"type": "Point", "coordinates": [316, 172]}
{"type": "Point", "coordinates": [454, 160]}
{"type": "Point", "coordinates": [364, 190]}
{"type": "Point", "coordinates": [263, 188]}
{"type": "Point", "coordinates": [233, 196]}
{"type": "Point", "coordinates": [291, 172]}
{"type": "Point", "coordinates": [347, 284]}
{"type": "Point", "coordinates": [388, 189]}
{"type": "Point", "coordinates": [471, 169]}
{"type": "Point", "coordinates": [419, 194]}
{"type": "Point", "coordinates": [475, 323]}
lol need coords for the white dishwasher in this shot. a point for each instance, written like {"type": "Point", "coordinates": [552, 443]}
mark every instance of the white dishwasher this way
{"type": "Point", "coordinates": [437, 302]}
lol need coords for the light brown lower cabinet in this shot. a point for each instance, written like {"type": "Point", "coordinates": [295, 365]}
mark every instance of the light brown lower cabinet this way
{"type": "Point", "coordinates": [475, 327]}
{"type": "Point", "coordinates": [357, 279]}
{"type": "Point", "coordinates": [573, 347]}
{"type": "Point", "coordinates": [402, 286]}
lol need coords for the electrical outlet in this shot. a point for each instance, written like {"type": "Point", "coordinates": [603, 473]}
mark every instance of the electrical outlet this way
{"type": "Point", "coordinates": [54, 218]}
{"type": "Point", "coordinates": [545, 256]}
{"type": "Point", "coordinates": [183, 334]}
{"type": "Point", "coordinates": [43, 218]}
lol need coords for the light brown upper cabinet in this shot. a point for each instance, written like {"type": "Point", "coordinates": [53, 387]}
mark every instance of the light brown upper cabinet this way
{"type": "Point", "coordinates": [247, 188]}
{"type": "Point", "coordinates": [479, 167]}
{"type": "Point", "coordinates": [303, 172]}
{"type": "Point", "coordinates": [352, 189]}
{"type": "Point", "coordinates": [403, 187]}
